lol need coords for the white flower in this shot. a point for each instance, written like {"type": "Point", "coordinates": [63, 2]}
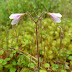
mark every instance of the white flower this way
{"type": "Point", "coordinates": [56, 17]}
{"type": "Point", "coordinates": [16, 17]}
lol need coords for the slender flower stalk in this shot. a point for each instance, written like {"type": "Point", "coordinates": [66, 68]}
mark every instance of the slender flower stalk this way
{"type": "Point", "coordinates": [37, 37]}
{"type": "Point", "coordinates": [37, 46]}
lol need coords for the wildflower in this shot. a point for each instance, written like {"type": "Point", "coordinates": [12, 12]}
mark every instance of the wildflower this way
{"type": "Point", "coordinates": [16, 17]}
{"type": "Point", "coordinates": [56, 17]}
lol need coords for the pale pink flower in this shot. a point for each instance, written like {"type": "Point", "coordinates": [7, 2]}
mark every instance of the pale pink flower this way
{"type": "Point", "coordinates": [16, 17]}
{"type": "Point", "coordinates": [56, 17]}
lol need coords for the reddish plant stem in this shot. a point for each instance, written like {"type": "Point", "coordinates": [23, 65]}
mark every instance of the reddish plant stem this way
{"type": "Point", "coordinates": [40, 16]}
{"type": "Point", "coordinates": [37, 41]}
{"type": "Point", "coordinates": [36, 36]}
{"type": "Point", "coordinates": [31, 16]}
{"type": "Point", "coordinates": [37, 46]}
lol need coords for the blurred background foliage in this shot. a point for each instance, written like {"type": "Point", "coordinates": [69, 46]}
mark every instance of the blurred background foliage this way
{"type": "Point", "coordinates": [23, 37]}
{"type": "Point", "coordinates": [8, 7]}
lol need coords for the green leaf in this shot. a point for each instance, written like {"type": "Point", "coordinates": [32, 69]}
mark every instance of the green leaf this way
{"type": "Point", "coordinates": [43, 70]}
{"type": "Point", "coordinates": [70, 62]}
{"type": "Point", "coordinates": [18, 61]}
{"type": "Point", "coordinates": [47, 65]}
{"type": "Point", "coordinates": [4, 46]}
{"type": "Point", "coordinates": [31, 65]}
{"type": "Point", "coordinates": [1, 60]}
{"type": "Point", "coordinates": [1, 52]}
{"type": "Point", "coordinates": [69, 52]}
{"type": "Point", "coordinates": [12, 69]}
{"type": "Point", "coordinates": [70, 57]}
{"type": "Point", "coordinates": [63, 71]}
{"type": "Point", "coordinates": [54, 66]}
{"type": "Point", "coordinates": [25, 70]}
{"type": "Point", "coordinates": [4, 62]}
{"type": "Point", "coordinates": [1, 67]}
{"type": "Point", "coordinates": [8, 66]}
{"type": "Point", "coordinates": [13, 62]}
{"type": "Point", "coordinates": [11, 55]}
{"type": "Point", "coordinates": [16, 47]}
{"type": "Point", "coordinates": [7, 59]}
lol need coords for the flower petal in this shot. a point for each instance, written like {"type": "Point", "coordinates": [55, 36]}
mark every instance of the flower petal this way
{"type": "Point", "coordinates": [16, 17]}
{"type": "Point", "coordinates": [15, 21]}
{"type": "Point", "coordinates": [56, 14]}
{"type": "Point", "coordinates": [56, 17]}
{"type": "Point", "coordinates": [13, 16]}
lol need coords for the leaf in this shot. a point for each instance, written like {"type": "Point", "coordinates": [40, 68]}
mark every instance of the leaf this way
{"type": "Point", "coordinates": [4, 62]}
{"type": "Point", "coordinates": [7, 59]}
{"type": "Point", "coordinates": [54, 66]}
{"type": "Point", "coordinates": [4, 46]}
{"type": "Point", "coordinates": [18, 62]}
{"type": "Point", "coordinates": [31, 65]}
{"type": "Point", "coordinates": [43, 70]}
{"type": "Point", "coordinates": [1, 52]}
{"type": "Point", "coordinates": [1, 67]}
{"type": "Point", "coordinates": [70, 62]}
{"type": "Point", "coordinates": [70, 57]}
{"type": "Point", "coordinates": [47, 65]}
{"type": "Point", "coordinates": [69, 52]}
{"type": "Point", "coordinates": [63, 71]}
{"type": "Point", "coordinates": [16, 47]}
{"type": "Point", "coordinates": [1, 60]}
{"type": "Point", "coordinates": [8, 66]}
{"type": "Point", "coordinates": [12, 69]}
{"type": "Point", "coordinates": [13, 62]}
{"type": "Point", "coordinates": [25, 70]}
{"type": "Point", "coordinates": [11, 55]}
